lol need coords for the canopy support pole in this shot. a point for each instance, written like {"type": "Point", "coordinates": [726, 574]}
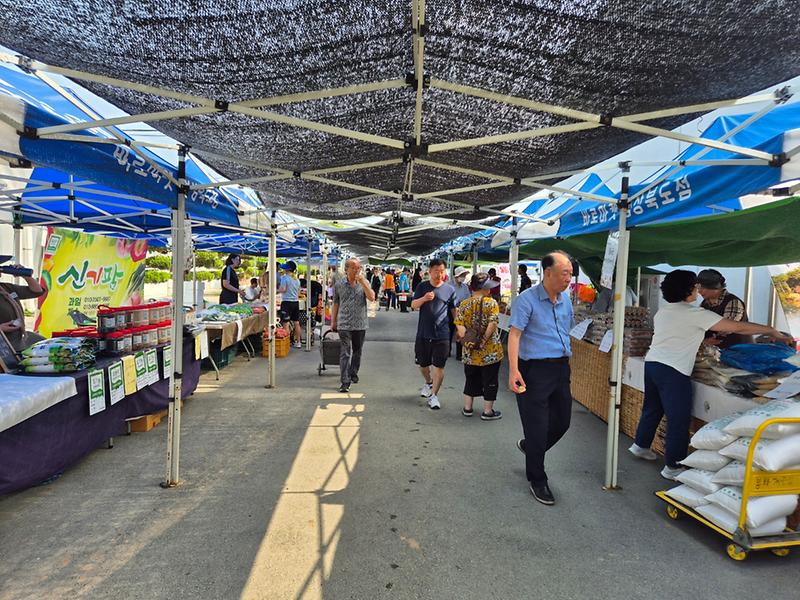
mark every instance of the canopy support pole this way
{"type": "Point", "coordinates": [178, 265]}
{"type": "Point", "coordinates": [309, 328]}
{"type": "Point", "coordinates": [194, 278]}
{"type": "Point", "coordinates": [323, 279]}
{"type": "Point", "coordinates": [513, 260]}
{"type": "Point", "coordinates": [17, 245]}
{"type": "Point", "coordinates": [748, 286]}
{"type": "Point", "coordinates": [273, 309]}
{"type": "Point", "coordinates": [638, 301]}
{"type": "Point", "coordinates": [615, 397]}
{"type": "Point", "coordinates": [474, 259]}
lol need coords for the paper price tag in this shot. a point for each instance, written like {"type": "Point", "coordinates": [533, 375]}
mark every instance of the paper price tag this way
{"type": "Point", "coordinates": [116, 382]}
{"type": "Point", "coordinates": [788, 388]}
{"type": "Point", "coordinates": [141, 370]}
{"type": "Point", "coordinates": [607, 341]}
{"type": "Point", "coordinates": [239, 331]}
{"type": "Point", "coordinates": [579, 331]}
{"type": "Point", "coordinates": [166, 361]}
{"type": "Point", "coordinates": [151, 358]}
{"type": "Point", "coordinates": [129, 374]}
{"type": "Point", "coordinates": [97, 391]}
{"type": "Point", "coordinates": [204, 344]}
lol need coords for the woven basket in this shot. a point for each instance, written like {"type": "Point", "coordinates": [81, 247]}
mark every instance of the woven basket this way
{"type": "Point", "coordinates": [590, 370]}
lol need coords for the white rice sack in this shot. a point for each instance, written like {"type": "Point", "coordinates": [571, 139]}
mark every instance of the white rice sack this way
{"type": "Point", "coordinates": [710, 460]}
{"type": "Point", "coordinates": [730, 522]}
{"type": "Point", "coordinates": [700, 480]}
{"type": "Point", "coordinates": [770, 455]}
{"type": "Point", "coordinates": [712, 436]}
{"type": "Point", "coordinates": [733, 473]}
{"type": "Point", "coordinates": [760, 510]}
{"type": "Point", "coordinates": [687, 496]}
{"type": "Point", "coordinates": [746, 425]}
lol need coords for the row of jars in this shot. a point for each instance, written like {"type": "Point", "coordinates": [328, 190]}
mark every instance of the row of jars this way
{"type": "Point", "coordinates": [112, 319]}
{"type": "Point", "coordinates": [136, 338]}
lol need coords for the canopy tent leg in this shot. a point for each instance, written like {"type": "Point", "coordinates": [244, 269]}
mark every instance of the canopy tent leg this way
{"type": "Point", "coordinates": [638, 301]}
{"type": "Point", "coordinates": [323, 277]}
{"type": "Point", "coordinates": [615, 397]}
{"type": "Point", "coordinates": [309, 329]}
{"type": "Point", "coordinates": [194, 278]}
{"type": "Point", "coordinates": [748, 286]}
{"type": "Point", "coordinates": [474, 260]}
{"type": "Point", "coordinates": [178, 265]}
{"type": "Point", "coordinates": [273, 309]}
{"type": "Point", "coordinates": [513, 262]}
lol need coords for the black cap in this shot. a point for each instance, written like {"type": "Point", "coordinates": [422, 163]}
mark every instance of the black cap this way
{"type": "Point", "coordinates": [711, 279]}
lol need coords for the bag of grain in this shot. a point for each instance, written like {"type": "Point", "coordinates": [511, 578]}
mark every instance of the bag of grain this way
{"type": "Point", "coordinates": [770, 455]}
{"type": "Point", "coordinates": [710, 460]}
{"type": "Point", "coordinates": [747, 423]}
{"type": "Point", "coordinates": [700, 480]}
{"type": "Point", "coordinates": [687, 495]}
{"type": "Point", "coordinates": [712, 436]}
{"type": "Point", "coordinates": [730, 522]}
{"type": "Point", "coordinates": [760, 509]}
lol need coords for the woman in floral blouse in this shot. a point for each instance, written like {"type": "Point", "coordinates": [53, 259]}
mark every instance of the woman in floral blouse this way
{"type": "Point", "coordinates": [482, 359]}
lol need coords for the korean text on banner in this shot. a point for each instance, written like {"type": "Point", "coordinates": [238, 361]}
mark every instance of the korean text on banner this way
{"type": "Point", "coordinates": [81, 271]}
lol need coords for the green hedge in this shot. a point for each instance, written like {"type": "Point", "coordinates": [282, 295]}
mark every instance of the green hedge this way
{"type": "Point", "coordinates": [159, 261]}
{"type": "Point", "coordinates": [202, 276]}
{"type": "Point", "coordinates": [210, 260]}
{"type": "Point", "coordinates": [156, 276]}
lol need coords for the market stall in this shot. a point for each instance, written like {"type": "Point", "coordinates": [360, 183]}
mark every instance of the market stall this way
{"type": "Point", "coordinates": [46, 422]}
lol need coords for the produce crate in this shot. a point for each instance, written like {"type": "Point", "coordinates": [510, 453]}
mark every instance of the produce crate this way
{"type": "Point", "coordinates": [282, 346]}
{"type": "Point", "coordinates": [219, 356]}
{"type": "Point", "coordinates": [147, 422]}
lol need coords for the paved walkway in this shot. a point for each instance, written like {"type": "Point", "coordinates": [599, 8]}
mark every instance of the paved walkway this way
{"type": "Point", "coordinates": [302, 492]}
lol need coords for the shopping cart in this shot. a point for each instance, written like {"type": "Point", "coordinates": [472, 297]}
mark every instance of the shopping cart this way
{"type": "Point", "coordinates": [328, 351]}
{"type": "Point", "coordinates": [756, 483]}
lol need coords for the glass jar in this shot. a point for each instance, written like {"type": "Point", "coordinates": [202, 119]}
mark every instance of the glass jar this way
{"type": "Point", "coordinates": [164, 332]}
{"type": "Point", "coordinates": [124, 317]}
{"type": "Point", "coordinates": [136, 339]}
{"type": "Point", "coordinates": [150, 336]}
{"type": "Point", "coordinates": [106, 319]}
{"type": "Point", "coordinates": [141, 316]}
{"type": "Point", "coordinates": [115, 342]}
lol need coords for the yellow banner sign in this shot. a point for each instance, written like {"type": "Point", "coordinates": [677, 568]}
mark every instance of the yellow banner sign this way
{"type": "Point", "coordinates": [83, 271]}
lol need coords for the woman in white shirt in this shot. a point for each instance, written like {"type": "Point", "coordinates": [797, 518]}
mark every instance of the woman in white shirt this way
{"type": "Point", "coordinates": [678, 330]}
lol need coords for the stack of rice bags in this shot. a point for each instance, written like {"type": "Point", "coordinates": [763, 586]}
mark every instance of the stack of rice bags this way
{"type": "Point", "coordinates": [59, 355]}
{"type": "Point", "coordinates": [712, 485]}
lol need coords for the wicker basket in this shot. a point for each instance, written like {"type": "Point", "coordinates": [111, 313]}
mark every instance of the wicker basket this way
{"type": "Point", "coordinates": [590, 370]}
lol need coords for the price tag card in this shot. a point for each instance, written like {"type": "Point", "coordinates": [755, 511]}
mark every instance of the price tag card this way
{"type": "Point", "coordinates": [97, 391]}
{"type": "Point", "coordinates": [579, 331]}
{"type": "Point", "coordinates": [198, 346]}
{"type": "Point", "coordinates": [239, 330]}
{"type": "Point", "coordinates": [129, 374]}
{"type": "Point", "coordinates": [607, 341]}
{"type": "Point", "coordinates": [116, 382]}
{"type": "Point", "coordinates": [141, 370]}
{"type": "Point", "coordinates": [166, 360]}
{"type": "Point", "coordinates": [151, 358]}
{"type": "Point", "coordinates": [203, 344]}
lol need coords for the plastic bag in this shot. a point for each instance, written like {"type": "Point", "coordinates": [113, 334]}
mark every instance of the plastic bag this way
{"type": "Point", "coordinates": [759, 358]}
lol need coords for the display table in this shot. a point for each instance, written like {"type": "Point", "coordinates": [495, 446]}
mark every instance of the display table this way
{"type": "Point", "coordinates": [590, 387]}
{"type": "Point", "coordinates": [59, 436]}
{"type": "Point", "coordinates": [235, 331]}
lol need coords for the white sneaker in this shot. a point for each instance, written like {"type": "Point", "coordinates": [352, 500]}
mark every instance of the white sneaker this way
{"type": "Point", "coordinates": [433, 403]}
{"type": "Point", "coordinates": [298, 345]}
{"type": "Point", "coordinates": [670, 473]}
{"type": "Point", "coordinates": [426, 390]}
{"type": "Point", "coordinates": [644, 453]}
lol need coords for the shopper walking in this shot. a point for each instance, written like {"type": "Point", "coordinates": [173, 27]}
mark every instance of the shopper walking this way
{"type": "Point", "coordinates": [538, 363]}
{"type": "Point", "coordinates": [389, 289]}
{"type": "Point", "coordinates": [375, 282]}
{"type": "Point", "coordinates": [524, 280]}
{"type": "Point", "coordinates": [403, 290]}
{"type": "Point", "coordinates": [678, 330]}
{"type": "Point", "coordinates": [495, 277]}
{"type": "Point", "coordinates": [435, 301]}
{"type": "Point", "coordinates": [290, 300]}
{"type": "Point", "coordinates": [476, 322]}
{"type": "Point", "coordinates": [349, 319]}
{"type": "Point", "coordinates": [462, 293]}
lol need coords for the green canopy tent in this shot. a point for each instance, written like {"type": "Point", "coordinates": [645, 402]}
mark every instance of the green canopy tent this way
{"type": "Point", "coordinates": [764, 235]}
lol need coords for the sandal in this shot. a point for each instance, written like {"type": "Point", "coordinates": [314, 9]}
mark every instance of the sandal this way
{"type": "Point", "coordinates": [492, 416]}
{"type": "Point", "coordinates": [467, 413]}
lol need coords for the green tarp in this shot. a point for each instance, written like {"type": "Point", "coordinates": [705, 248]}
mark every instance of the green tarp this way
{"type": "Point", "coordinates": [764, 235]}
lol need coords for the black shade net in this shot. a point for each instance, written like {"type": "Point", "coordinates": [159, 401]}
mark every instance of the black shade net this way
{"type": "Point", "coordinates": [611, 57]}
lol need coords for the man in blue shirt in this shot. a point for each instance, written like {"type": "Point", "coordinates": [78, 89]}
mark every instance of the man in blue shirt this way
{"type": "Point", "coordinates": [538, 357]}
{"type": "Point", "coordinates": [435, 301]}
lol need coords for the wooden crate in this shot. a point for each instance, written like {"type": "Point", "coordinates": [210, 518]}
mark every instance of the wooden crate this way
{"type": "Point", "coordinates": [147, 422]}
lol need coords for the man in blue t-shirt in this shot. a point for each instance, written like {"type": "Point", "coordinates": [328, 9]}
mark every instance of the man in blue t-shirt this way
{"type": "Point", "coordinates": [435, 301]}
